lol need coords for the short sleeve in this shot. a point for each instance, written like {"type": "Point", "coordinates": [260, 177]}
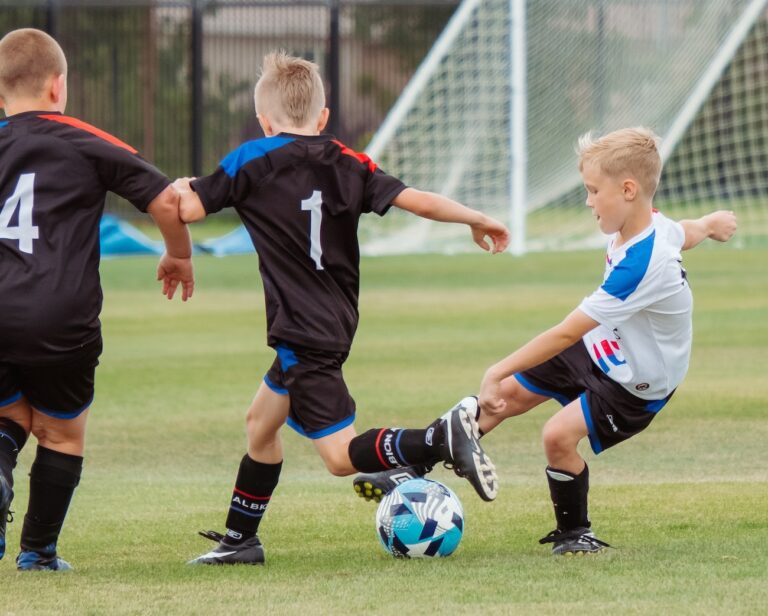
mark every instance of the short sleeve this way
{"type": "Point", "coordinates": [216, 191]}
{"type": "Point", "coordinates": [380, 190]}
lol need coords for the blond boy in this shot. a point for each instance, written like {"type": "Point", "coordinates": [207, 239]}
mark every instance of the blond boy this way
{"type": "Point", "coordinates": [615, 361]}
{"type": "Point", "coordinates": [300, 194]}
{"type": "Point", "coordinates": [55, 172]}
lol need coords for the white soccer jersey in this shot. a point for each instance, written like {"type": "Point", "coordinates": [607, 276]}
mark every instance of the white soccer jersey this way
{"type": "Point", "coordinates": [644, 309]}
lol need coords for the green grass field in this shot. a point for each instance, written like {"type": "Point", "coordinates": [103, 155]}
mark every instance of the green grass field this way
{"type": "Point", "coordinates": [684, 503]}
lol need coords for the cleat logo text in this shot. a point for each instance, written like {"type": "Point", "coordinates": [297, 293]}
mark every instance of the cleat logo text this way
{"type": "Point", "coordinates": [428, 438]}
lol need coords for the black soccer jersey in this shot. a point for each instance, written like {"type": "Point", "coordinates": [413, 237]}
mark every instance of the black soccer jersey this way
{"type": "Point", "coordinates": [300, 198]}
{"type": "Point", "coordinates": [55, 172]}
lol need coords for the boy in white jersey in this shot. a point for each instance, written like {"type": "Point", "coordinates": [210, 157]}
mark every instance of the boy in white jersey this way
{"type": "Point", "coordinates": [615, 361]}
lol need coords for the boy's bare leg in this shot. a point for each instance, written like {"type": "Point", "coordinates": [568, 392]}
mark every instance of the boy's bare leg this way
{"type": "Point", "coordinates": [334, 450]}
{"type": "Point", "coordinates": [53, 478]}
{"type": "Point", "coordinates": [518, 400]}
{"type": "Point", "coordinates": [568, 478]}
{"type": "Point", "coordinates": [257, 479]}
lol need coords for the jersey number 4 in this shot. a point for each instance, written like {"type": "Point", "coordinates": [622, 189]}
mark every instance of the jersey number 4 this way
{"type": "Point", "coordinates": [315, 207]}
{"type": "Point", "coordinates": [22, 199]}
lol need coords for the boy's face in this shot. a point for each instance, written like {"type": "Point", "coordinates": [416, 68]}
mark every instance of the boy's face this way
{"type": "Point", "coordinates": [608, 198]}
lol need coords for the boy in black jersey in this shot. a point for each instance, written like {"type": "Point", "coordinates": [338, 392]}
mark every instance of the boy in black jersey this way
{"type": "Point", "coordinates": [300, 194]}
{"type": "Point", "coordinates": [55, 172]}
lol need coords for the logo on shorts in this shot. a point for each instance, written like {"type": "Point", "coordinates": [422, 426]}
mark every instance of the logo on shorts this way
{"type": "Point", "coordinates": [642, 386]}
{"type": "Point", "coordinates": [610, 421]}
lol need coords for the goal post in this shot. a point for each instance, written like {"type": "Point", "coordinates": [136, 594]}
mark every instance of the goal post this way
{"type": "Point", "coordinates": [492, 115]}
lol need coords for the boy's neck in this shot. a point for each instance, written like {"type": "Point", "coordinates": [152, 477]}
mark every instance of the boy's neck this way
{"type": "Point", "coordinates": [23, 105]}
{"type": "Point", "coordinates": [636, 223]}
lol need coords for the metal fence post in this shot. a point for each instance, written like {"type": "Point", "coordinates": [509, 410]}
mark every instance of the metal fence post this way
{"type": "Point", "coordinates": [332, 69]}
{"type": "Point", "coordinates": [197, 86]}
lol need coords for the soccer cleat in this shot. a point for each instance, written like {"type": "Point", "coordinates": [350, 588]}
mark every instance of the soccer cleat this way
{"type": "Point", "coordinates": [461, 449]}
{"type": "Point", "coordinates": [248, 552]}
{"type": "Point", "coordinates": [374, 486]}
{"type": "Point", "coordinates": [45, 560]}
{"type": "Point", "coordinates": [6, 496]}
{"type": "Point", "coordinates": [574, 542]}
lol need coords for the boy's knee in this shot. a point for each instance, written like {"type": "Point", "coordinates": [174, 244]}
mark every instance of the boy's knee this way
{"type": "Point", "coordinates": [338, 464]}
{"type": "Point", "coordinates": [556, 438]}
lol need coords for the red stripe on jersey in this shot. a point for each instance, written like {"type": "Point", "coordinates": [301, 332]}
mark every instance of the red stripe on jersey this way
{"type": "Point", "coordinates": [606, 347]}
{"type": "Point", "coordinates": [363, 158]}
{"type": "Point", "coordinates": [91, 129]}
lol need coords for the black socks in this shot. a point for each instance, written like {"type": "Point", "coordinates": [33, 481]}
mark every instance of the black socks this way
{"type": "Point", "coordinates": [52, 481]}
{"type": "Point", "coordinates": [253, 490]}
{"type": "Point", "coordinates": [12, 439]}
{"type": "Point", "coordinates": [569, 497]}
{"type": "Point", "coordinates": [381, 449]}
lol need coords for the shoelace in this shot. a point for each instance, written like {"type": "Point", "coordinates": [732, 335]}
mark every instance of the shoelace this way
{"type": "Point", "coordinates": [9, 516]}
{"type": "Point", "coordinates": [211, 534]}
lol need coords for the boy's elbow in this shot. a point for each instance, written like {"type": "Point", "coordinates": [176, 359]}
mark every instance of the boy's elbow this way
{"type": "Point", "coordinates": [165, 204]}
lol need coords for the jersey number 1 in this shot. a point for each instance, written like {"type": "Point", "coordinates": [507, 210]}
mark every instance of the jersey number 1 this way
{"type": "Point", "coordinates": [23, 199]}
{"type": "Point", "coordinates": [315, 206]}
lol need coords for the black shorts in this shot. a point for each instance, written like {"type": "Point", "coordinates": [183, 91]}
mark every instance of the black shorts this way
{"type": "Point", "coordinates": [61, 390]}
{"type": "Point", "coordinates": [320, 400]}
{"type": "Point", "coordinates": [612, 413]}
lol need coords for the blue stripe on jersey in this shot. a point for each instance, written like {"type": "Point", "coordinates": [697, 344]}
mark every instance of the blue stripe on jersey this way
{"type": "Point", "coordinates": [626, 276]}
{"type": "Point", "coordinates": [3, 123]}
{"type": "Point", "coordinates": [250, 151]}
{"type": "Point", "coordinates": [325, 431]}
{"type": "Point", "coordinates": [654, 406]}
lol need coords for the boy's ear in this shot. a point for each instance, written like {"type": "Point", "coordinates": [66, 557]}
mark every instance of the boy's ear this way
{"type": "Point", "coordinates": [629, 188]}
{"type": "Point", "coordinates": [322, 120]}
{"type": "Point", "coordinates": [57, 88]}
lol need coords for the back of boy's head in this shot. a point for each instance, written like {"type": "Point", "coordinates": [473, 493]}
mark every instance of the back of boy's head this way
{"type": "Point", "coordinates": [28, 57]}
{"type": "Point", "coordinates": [290, 90]}
{"type": "Point", "coordinates": [629, 151]}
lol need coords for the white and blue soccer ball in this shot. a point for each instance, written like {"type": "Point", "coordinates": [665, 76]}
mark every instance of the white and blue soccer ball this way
{"type": "Point", "coordinates": [420, 518]}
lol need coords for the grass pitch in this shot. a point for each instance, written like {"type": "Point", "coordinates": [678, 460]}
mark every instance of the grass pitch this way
{"type": "Point", "coordinates": [684, 503]}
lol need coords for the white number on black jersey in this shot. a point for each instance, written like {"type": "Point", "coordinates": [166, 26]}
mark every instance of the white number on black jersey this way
{"type": "Point", "coordinates": [315, 206]}
{"type": "Point", "coordinates": [23, 199]}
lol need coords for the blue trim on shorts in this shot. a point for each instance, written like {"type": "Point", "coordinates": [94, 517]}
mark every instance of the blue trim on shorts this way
{"type": "Point", "coordinates": [4, 123]}
{"type": "Point", "coordinates": [542, 392]}
{"type": "Point", "coordinates": [286, 356]}
{"type": "Point", "coordinates": [62, 415]}
{"type": "Point", "coordinates": [594, 440]}
{"type": "Point", "coordinates": [654, 406]}
{"type": "Point", "coordinates": [14, 398]}
{"type": "Point", "coordinates": [325, 431]}
{"type": "Point", "coordinates": [276, 388]}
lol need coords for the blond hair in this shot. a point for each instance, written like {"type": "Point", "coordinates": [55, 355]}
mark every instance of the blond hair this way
{"type": "Point", "coordinates": [28, 57]}
{"type": "Point", "coordinates": [290, 89]}
{"type": "Point", "coordinates": [629, 151]}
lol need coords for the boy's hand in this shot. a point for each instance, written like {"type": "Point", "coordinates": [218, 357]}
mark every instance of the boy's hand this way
{"type": "Point", "coordinates": [498, 233]}
{"type": "Point", "coordinates": [490, 399]}
{"type": "Point", "coordinates": [722, 225]}
{"type": "Point", "coordinates": [175, 270]}
{"type": "Point", "coordinates": [182, 185]}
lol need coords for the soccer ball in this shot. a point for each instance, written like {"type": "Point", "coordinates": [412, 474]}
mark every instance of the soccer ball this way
{"type": "Point", "coordinates": [420, 518]}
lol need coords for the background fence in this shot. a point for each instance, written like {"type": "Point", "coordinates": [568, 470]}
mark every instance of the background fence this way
{"type": "Point", "coordinates": [175, 78]}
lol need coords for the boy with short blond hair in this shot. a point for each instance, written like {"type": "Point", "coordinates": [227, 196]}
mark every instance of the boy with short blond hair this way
{"type": "Point", "coordinates": [616, 360]}
{"type": "Point", "coordinates": [300, 195]}
{"type": "Point", "coordinates": [55, 172]}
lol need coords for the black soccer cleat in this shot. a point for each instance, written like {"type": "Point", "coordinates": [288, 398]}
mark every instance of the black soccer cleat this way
{"type": "Point", "coordinates": [6, 496]}
{"type": "Point", "coordinates": [461, 449]}
{"type": "Point", "coordinates": [248, 552]}
{"type": "Point", "coordinates": [374, 486]}
{"type": "Point", "coordinates": [576, 542]}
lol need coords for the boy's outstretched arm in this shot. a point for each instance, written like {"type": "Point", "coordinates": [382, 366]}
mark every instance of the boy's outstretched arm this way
{"type": "Point", "coordinates": [537, 351]}
{"type": "Point", "coordinates": [719, 225]}
{"type": "Point", "coordinates": [442, 209]}
{"type": "Point", "coordinates": [176, 263]}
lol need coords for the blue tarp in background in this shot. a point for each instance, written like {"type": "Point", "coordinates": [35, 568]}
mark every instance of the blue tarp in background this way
{"type": "Point", "coordinates": [119, 238]}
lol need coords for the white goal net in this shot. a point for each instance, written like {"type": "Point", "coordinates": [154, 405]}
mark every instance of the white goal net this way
{"type": "Point", "coordinates": [696, 71]}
